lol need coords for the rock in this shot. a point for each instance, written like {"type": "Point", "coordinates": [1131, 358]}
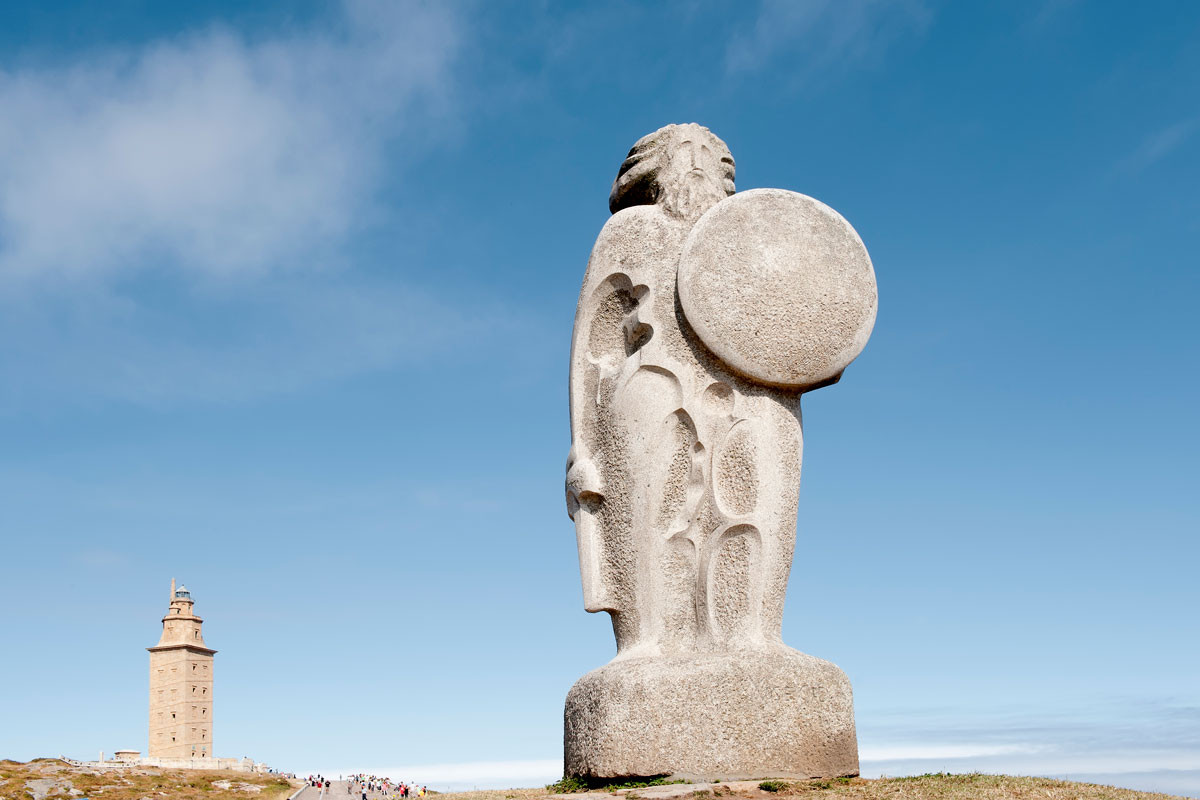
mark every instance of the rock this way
{"type": "Point", "coordinates": [40, 788]}
{"type": "Point", "coordinates": [780, 713]}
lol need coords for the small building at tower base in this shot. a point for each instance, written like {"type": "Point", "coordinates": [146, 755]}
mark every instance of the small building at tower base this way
{"type": "Point", "coordinates": [127, 759]}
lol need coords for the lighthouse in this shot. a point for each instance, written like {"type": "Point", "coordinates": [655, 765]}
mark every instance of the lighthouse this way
{"type": "Point", "coordinates": [181, 684]}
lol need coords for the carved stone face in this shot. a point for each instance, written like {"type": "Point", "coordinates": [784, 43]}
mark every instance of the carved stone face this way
{"type": "Point", "coordinates": [684, 168]}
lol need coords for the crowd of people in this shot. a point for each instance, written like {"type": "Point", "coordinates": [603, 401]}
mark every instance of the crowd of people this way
{"type": "Point", "coordinates": [375, 787]}
{"type": "Point", "coordinates": [371, 787]}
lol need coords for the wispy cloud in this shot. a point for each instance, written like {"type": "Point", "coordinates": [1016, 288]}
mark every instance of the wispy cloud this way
{"type": "Point", "coordinates": [177, 217]}
{"type": "Point", "coordinates": [825, 31]}
{"type": "Point", "coordinates": [1148, 744]}
{"type": "Point", "coordinates": [254, 340]}
{"type": "Point", "coordinates": [211, 151]}
{"type": "Point", "coordinates": [1181, 782]}
{"type": "Point", "coordinates": [1158, 145]}
{"type": "Point", "coordinates": [924, 751]}
{"type": "Point", "coordinates": [1123, 743]}
{"type": "Point", "coordinates": [1163, 771]}
{"type": "Point", "coordinates": [1047, 14]}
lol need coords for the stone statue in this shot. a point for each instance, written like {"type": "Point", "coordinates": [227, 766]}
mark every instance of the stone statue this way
{"type": "Point", "coordinates": [704, 316]}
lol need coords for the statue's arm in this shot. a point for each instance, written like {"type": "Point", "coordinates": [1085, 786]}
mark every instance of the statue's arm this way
{"type": "Point", "coordinates": [588, 368]}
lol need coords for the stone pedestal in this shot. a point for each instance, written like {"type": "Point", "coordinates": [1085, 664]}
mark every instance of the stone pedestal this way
{"type": "Point", "coordinates": [743, 714]}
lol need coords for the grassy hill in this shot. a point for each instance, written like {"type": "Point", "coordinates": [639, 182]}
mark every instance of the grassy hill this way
{"type": "Point", "coordinates": [924, 787]}
{"type": "Point", "coordinates": [51, 779]}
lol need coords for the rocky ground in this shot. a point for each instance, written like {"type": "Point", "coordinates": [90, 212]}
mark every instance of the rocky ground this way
{"type": "Point", "coordinates": [925, 787]}
{"type": "Point", "coordinates": [51, 779]}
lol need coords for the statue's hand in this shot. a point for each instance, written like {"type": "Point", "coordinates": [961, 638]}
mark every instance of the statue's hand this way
{"type": "Point", "coordinates": [583, 483]}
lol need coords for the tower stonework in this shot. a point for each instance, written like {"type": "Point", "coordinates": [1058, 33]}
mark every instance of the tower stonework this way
{"type": "Point", "coordinates": [181, 684]}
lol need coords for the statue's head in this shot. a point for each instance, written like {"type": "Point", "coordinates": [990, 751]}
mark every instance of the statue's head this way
{"type": "Point", "coordinates": [685, 169]}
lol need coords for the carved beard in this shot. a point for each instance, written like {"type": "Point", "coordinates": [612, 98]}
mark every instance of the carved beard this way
{"type": "Point", "coordinates": [690, 195]}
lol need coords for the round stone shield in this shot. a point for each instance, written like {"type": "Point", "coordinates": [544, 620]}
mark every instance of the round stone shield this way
{"type": "Point", "coordinates": [779, 287]}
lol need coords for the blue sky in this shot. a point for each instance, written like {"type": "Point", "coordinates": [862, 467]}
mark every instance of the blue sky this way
{"type": "Point", "coordinates": [286, 294]}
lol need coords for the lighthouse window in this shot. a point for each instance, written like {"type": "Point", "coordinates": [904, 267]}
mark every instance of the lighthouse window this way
{"type": "Point", "coordinates": [195, 634]}
{"type": "Point", "coordinates": [203, 711]}
{"type": "Point", "coordinates": [193, 667]}
{"type": "Point", "coordinates": [204, 690]}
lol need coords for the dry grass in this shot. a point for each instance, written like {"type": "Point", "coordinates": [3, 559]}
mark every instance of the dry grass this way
{"type": "Point", "coordinates": [496, 794]}
{"type": "Point", "coordinates": [953, 787]}
{"type": "Point", "coordinates": [57, 780]}
{"type": "Point", "coordinates": [925, 787]}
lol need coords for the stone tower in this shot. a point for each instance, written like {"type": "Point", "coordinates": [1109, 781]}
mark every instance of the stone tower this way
{"type": "Point", "coordinates": [181, 685]}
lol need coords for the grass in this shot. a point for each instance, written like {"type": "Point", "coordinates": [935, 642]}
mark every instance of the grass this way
{"type": "Point", "coordinates": [573, 785]}
{"type": "Point", "coordinates": [943, 786]}
{"type": "Point", "coordinates": [934, 786]}
{"type": "Point", "coordinates": [158, 784]}
{"type": "Point", "coordinates": [567, 784]}
{"type": "Point", "coordinates": [138, 783]}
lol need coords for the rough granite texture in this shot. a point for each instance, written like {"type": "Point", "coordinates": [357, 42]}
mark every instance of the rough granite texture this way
{"type": "Point", "coordinates": [684, 472]}
{"type": "Point", "coordinates": [778, 713]}
{"type": "Point", "coordinates": [779, 286]}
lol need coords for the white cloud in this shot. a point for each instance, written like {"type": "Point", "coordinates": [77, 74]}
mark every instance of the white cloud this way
{"type": "Point", "coordinates": [825, 31]}
{"type": "Point", "coordinates": [1143, 744]}
{"type": "Point", "coordinates": [1025, 760]}
{"type": "Point", "coordinates": [1182, 782]}
{"type": "Point", "coordinates": [176, 217]}
{"type": "Point", "coordinates": [1147, 744]}
{"type": "Point", "coordinates": [250, 341]}
{"type": "Point", "coordinates": [1157, 771]}
{"type": "Point", "coordinates": [926, 751]}
{"type": "Point", "coordinates": [212, 151]}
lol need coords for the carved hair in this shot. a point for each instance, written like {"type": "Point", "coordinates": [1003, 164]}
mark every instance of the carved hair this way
{"type": "Point", "coordinates": [645, 178]}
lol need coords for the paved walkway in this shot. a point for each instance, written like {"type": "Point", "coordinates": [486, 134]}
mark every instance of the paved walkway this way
{"type": "Point", "coordinates": [312, 793]}
{"type": "Point", "coordinates": [336, 791]}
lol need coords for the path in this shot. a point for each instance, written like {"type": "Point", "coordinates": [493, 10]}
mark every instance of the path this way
{"type": "Point", "coordinates": [336, 791]}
